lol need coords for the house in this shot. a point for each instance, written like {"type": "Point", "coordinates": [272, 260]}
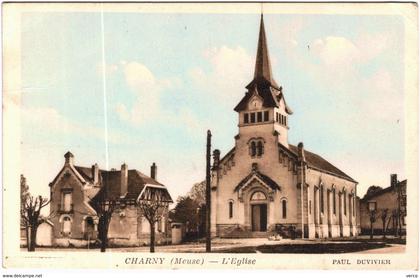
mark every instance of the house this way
{"type": "Point", "coordinates": [384, 203]}
{"type": "Point", "coordinates": [264, 184]}
{"type": "Point", "coordinates": [75, 221]}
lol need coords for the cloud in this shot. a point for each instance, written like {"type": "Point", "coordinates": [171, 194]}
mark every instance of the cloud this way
{"type": "Point", "coordinates": [147, 107]}
{"type": "Point", "coordinates": [335, 51]}
{"type": "Point", "coordinates": [230, 70]}
{"type": "Point", "coordinates": [50, 121]}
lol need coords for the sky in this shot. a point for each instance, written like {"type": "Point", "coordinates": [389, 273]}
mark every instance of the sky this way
{"type": "Point", "coordinates": [168, 78]}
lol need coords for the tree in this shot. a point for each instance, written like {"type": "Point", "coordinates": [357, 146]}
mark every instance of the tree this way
{"type": "Point", "coordinates": [152, 204]}
{"type": "Point", "coordinates": [372, 218]}
{"type": "Point", "coordinates": [198, 193]}
{"type": "Point", "coordinates": [104, 209]}
{"type": "Point", "coordinates": [372, 190]}
{"type": "Point", "coordinates": [30, 214]}
{"type": "Point", "coordinates": [187, 211]}
{"type": "Point", "coordinates": [24, 195]}
{"type": "Point", "coordinates": [384, 215]}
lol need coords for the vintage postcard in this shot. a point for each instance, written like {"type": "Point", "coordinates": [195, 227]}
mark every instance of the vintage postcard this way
{"type": "Point", "coordinates": [210, 135]}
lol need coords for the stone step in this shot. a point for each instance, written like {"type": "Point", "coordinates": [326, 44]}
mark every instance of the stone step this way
{"type": "Point", "coordinates": [259, 234]}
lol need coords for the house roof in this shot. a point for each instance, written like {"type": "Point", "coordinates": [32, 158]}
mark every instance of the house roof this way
{"type": "Point", "coordinates": [383, 191]}
{"type": "Point", "coordinates": [317, 162]}
{"type": "Point", "coordinates": [266, 179]}
{"type": "Point", "coordinates": [110, 183]}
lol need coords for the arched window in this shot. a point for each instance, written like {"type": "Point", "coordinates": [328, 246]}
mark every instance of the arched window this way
{"type": "Point", "coordinates": [258, 196]}
{"type": "Point", "coordinates": [253, 149]}
{"type": "Point", "coordinates": [284, 208]}
{"type": "Point", "coordinates": [230, 209]}
{"type": "Point", "coordinates": [334, 200]}
{"type": "Point", "coordinates": [345, 203]}
{"type": "Point", "coordinates": [256, 147]}
{"type": "Point", "coordinates": [321, 198]}
{"type": "Point", "coordinates": [66, 225]}
{"type": "Point", "coordinates": [260, 148]}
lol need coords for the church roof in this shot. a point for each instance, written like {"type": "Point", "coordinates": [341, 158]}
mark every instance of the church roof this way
{"type": "Point", "coordinates": [319, 163]}
{"type": "Point", "coordinates": [313, 160]}
{"type": "Point", "coordinates": [266, 179]}
{"type": "Point", "coordinates": [262, 61]}
{"type": "Point", "coordinates": [263, 83]}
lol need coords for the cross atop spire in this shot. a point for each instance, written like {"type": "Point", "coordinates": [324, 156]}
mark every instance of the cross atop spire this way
{"type": "Point", "coordinates": [262, 62]}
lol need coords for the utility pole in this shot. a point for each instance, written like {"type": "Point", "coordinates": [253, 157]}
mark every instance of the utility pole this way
{"type": "Point", "coordinates": [208, 192]}
{"type": "Point", "coordinates": [395, 185]}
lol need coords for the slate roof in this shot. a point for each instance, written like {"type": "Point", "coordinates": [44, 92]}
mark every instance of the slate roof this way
{"type": "Point", "coordinates": [317, 162]}
{"type": "Point", "coordinates": [263, 83]}
{"type": "Point", "coordinates": [266, 179]}
{"type": "Point", "coordinates": [111, 182]}
{"type": "Point", "coordinates": [313, 161]}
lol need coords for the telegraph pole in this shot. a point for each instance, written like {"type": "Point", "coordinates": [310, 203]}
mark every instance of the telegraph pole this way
{"type": "Point", "coordinates": [208, 192]}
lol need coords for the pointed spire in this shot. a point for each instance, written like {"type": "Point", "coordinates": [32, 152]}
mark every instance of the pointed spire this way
{"type": "Point", "coordinates": [262, 63]}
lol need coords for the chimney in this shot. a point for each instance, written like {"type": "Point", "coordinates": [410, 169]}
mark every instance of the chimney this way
{"type": "Point", "coordinates": [301, 152]}
{"type": "Point", "coordinates": [153, 171]}
{"type": "Point", "coordinates": [69, 158]}
{"type": "Point", "coordinates": [394, 180]}
{"type": "Point", "coordinates": [124, 179]}
{"type": "Point", "coordinates": [95, 174]}
{"type": "Point", "coordinates": [216, 158]}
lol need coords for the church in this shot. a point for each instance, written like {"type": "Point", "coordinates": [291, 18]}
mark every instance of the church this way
{"type": "Point", "coordinates": [265, 185]}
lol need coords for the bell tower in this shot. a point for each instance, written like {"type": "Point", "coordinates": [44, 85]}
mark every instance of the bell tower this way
{"type": "Point", "coordinates": [263, 109]}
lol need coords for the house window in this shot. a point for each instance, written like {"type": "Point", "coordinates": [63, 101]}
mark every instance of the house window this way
{"type": "Point", "coordinates": [321, 198]}
{"type": "Point", "coordinates": [230, 209]}
{"type": "Point", "coordinates": [66, 225]}
{"type": "Point", "coordinates": [372, 206]}
{"type": "Point", "coordinates": [67, 201]}
{"type": "Point", "coordinates": [246, 118]}
{"type": "Point", "coordinates": [259, 117]}
{"type": "Point", "coordinates": [334, 200]}
{"type": "Point", "coordinates": [284, 208]}
{"type": "Point", "coordinates": [252, 117]}
{"type": "Point", "coordinates": [266, 116]}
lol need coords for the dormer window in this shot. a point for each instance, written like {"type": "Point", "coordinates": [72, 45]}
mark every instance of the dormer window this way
{"type": "Point", "coordinates": [256, 147]}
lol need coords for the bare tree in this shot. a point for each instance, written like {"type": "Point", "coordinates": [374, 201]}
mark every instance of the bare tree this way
{"type": "Point", "coordinates": [152, 204]}
{"type": "Point", "coordinates": [30, 213]}
{"type": "Point", "coordinates": [104, 209]}
{"type": "Point", "coordinates": [372, 218]}
{"type": "Point", "coordinates": [384, 215]}
{"type": "Point", "coordinates": [24, 195]}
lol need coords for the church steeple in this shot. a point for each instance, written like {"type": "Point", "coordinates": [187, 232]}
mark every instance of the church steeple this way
{"type": "Point", "coordinates": [262, 62]}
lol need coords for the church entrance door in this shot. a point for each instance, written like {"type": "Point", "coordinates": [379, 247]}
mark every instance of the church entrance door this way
{"type": "Point", "coordinates": [259, 217]}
